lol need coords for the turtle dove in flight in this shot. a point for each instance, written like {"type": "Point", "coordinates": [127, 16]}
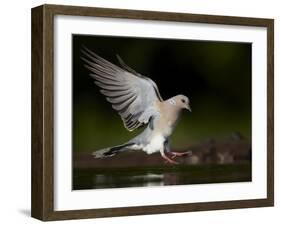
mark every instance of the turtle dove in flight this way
{"type": "Point", "coordinates": [137, 100]}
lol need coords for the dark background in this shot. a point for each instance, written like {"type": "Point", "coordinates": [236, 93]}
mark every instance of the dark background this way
{"type": "Point", "coordinates": [216, 76]}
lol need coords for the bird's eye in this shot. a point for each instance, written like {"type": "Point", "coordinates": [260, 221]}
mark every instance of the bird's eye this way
{"type": "Point", "coordinates": [183, 100]}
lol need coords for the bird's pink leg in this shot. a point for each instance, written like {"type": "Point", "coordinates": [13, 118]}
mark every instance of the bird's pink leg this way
{"type": "Point", "coordinates": [180, 154]}
{"type": "Point", "coordinates": [168, 159]}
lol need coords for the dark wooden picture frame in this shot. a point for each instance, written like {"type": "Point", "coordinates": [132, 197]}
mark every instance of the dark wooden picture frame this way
{"type": "Point", "coordinates": [42, 203]}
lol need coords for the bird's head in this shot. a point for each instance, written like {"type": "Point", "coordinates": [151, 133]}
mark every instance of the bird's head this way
{"type": "Point", "coordinates": [181, 102]}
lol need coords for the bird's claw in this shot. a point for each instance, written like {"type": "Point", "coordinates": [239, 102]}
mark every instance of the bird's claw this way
{"type": "Point", "coordinates": [180, 154]}
{"type": "Point", "coordinates": [168, 160]}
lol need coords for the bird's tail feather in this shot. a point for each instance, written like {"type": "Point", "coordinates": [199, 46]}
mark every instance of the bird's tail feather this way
{"type": "Point", "coordinates": [109, 152]}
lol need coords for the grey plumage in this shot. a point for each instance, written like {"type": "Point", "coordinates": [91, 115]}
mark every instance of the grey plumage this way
{"type": "Point", "coordinates": [131, 95]}
{"type": "Point", "coordinates": [137, 100]}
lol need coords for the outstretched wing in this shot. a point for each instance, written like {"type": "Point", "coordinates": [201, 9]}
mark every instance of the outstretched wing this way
{"type": "Point", "coordinates": [132, 95]}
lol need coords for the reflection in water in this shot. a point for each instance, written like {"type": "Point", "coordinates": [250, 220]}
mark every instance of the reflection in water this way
{"type": "Point", "coordinates": [142, 180]}
{"type": "Point", "coordinates": [150, 179]}
{"type": "Point", "coordinates": [121, 178]}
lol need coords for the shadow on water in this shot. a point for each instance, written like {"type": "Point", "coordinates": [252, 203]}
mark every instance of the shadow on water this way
{"type": "Point", "coordinates": [160, 176]}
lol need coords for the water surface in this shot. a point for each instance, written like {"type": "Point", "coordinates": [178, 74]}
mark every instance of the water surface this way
{"type": "Point", "coordinates": [159, 176]}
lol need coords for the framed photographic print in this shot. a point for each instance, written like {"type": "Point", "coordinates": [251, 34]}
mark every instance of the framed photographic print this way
{"type": "Point", "coordinates": [141, 112]}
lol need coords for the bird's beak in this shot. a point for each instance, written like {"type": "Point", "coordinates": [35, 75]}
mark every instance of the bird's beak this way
{"type": "Point", "coordinates": [187, 107]}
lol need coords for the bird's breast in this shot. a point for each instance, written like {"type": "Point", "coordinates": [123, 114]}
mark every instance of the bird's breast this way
{"type": "Point", "coordinates": [165, 125]}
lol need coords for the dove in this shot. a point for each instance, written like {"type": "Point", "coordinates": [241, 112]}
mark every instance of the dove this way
{"type": "Point", "coordinates": [137, 100]}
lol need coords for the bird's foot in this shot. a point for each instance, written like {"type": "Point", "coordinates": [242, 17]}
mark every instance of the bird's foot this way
{"type": "Point", "coordinates": [180, 154]}
{"type": "Point", "coordinates": [168, 160]}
